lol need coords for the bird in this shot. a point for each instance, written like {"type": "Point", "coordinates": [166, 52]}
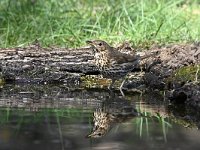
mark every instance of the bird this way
{"type": "Point", "coordinates": [101, 123]}
{"type": "Point", "coordinates": [104, 121]}
{"type": "Point", "coordinates": [113, 111]}
{"type": "Point", "coordinates": [112, 63]}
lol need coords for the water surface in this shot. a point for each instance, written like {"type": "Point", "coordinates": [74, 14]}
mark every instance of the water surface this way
{"type": "Point", "coordinates": [52, 118]}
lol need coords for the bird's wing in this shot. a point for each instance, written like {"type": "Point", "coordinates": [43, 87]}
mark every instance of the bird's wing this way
{"type": "Point", "coordinates": [120, 58]}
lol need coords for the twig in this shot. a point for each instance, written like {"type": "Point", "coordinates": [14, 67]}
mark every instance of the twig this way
{"type": "Point", "coordinates": [196, 75]}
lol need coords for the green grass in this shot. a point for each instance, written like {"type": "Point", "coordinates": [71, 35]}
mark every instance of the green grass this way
{"type": "Point", "coordinates": [70, 23]}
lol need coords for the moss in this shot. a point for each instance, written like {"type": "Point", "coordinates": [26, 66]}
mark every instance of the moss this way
{"type": "Point", "coordinates": [92, 81]}
{"type": "Point", "coordinates": [184, 123]}
{"type": "Point", "coordinates": [188, 73]}
{"type": "Point", "coordinates": [2, 81]}
{"type": "Point", "coordinates": [184, 75]}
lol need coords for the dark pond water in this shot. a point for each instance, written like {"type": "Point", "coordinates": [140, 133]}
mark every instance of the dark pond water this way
{"type": "Point", "coordinates": [59, 118]}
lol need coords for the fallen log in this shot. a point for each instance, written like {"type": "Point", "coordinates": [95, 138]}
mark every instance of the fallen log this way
{"type": "Point", "coordinates": [35, 64]}
{"type": "Point", "coordinates": [46, 65]}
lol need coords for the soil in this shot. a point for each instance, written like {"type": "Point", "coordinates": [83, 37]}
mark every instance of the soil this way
{"type": "Point", "coordinates": [177, 73]}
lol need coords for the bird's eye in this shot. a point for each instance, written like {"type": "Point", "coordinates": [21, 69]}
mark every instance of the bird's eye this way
{"type": "Point", "coordinates": [100, 44]}
{"type": "Point", "coordinates": [99, 134]}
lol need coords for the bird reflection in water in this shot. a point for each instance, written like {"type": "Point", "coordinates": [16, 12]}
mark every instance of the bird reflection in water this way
{"type": "Point", "coordinates": [114, 110]}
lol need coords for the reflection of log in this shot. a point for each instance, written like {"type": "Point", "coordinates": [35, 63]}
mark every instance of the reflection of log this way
{"type": "Point", "coordinates": [38, 97]}
{"type": "Point", "coordinates": [35, 97]}
{"type": "Point", "coordinates": [154, 110]}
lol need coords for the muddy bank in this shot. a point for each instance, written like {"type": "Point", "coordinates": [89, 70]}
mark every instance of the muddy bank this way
{"type": "Point", "coordinates": [177, 73]}
{"type": "Point", "coordinates": [167, 73]}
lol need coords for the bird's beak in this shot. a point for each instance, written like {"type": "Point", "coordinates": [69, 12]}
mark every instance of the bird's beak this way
{"type": "Point", "coordinates": [88, 136]}
{"type": "Point", "coordinates": [91, 43]}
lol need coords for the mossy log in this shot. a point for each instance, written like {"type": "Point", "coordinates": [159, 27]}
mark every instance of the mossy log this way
{"type": "Point", "coordinates": [175, 67]}
{"type": "Point", "coordinates": [46, 65]}
{"type": "Point", "coordinates": [37, 64]}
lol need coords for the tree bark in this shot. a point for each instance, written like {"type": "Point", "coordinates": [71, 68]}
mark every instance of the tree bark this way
{"type": "Point", "coordinates": [46, 65]}
{"type": "Point", "coordinates": [37, 64]}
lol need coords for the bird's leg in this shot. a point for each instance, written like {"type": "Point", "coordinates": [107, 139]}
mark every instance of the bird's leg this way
{"type": "Point", "coordinates": [121, 86]}
{"type": "Point", "coordinates": [112, 83]}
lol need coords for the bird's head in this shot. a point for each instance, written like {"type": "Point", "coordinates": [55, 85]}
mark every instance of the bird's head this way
{"type": "Point", "coordinates": [99, 45]}
{"type": "Point", "coordinates": [99, 132]}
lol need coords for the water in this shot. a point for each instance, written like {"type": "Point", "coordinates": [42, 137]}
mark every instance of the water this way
{"type": "Point", "coordinates": [56, 118]}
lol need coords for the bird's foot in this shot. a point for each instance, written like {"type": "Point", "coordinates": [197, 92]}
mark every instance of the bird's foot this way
{"type": "Point", "coordinates": [109, 88]}
{"type": "Point", "coordinates": [121, 92]}
{"type": "Point", "coordinates": [138, 91]}
{"type": "Point", "coordinates": [121, 87]}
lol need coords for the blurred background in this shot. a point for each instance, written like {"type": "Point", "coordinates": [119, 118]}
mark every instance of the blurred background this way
{"type": "Point", "coordinates": [70, 23]}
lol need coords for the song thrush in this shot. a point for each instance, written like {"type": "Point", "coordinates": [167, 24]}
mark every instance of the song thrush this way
{"type": "Point", "coordinates": [111, 62]}
{"type": "Point", "coordinates": [103, 121]}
